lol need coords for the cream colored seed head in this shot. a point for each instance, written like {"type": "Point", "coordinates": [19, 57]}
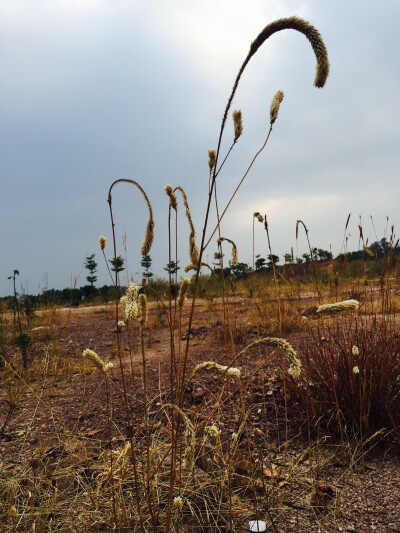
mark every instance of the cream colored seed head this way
{"type": "Point", "coordinates": [173, 202]}
{"type": "Point", "coordinates": [222, 369]}
{"type": "Point", "coordinates": [97, 361]}
{"type": "Point", "coordinates": [183, 292]}
{"type": "Point", "coordinates": [275, 105]}
{"type": "Point", "coordinates": [178, 502]}
{"type": "Point", "coordinates": [102, 242]}
{"type": "Point", "coordinates": [338, 307]}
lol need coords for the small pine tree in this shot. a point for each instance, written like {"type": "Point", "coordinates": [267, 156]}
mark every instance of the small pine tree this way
{"type": "Point", "coordinates": [146, 264]}
{"type": "Point", "coordinates": [91, 265]}
{"type": "Point", "coordinates": [117, 264]}
{"type": "Point", "coordinates": [172, 267]}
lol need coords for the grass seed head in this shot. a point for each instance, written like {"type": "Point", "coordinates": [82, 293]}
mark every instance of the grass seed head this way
{"type": "Point", "coordinates": [173, 202]}
{"type": "Point", "coordinates": [212, 159]}
{"type": "Point", "coordinates": [338, 307]}
{"type": "Point", "coordinates": [232, 372]}
{"type": "Point", "coordinates": [237, 124]}
{"type": "Point", "coordinates": [275, 105]}
{"type": "Point", "coordinates": [183, 292]}
{"type": "Point", "coordinates": [97, 361]}
{"type": "Point", "coordinates": [102, 242]}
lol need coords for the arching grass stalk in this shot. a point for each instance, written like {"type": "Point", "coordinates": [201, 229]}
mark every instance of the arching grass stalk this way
{"type": "Point", "coordinates": [278, 298]}
{"type": "Point", "coordinates": [321, 76]}
{"type": "Point", "coordinates": [298, 222]}
{"type": "Point", "coordinates": [147, 242]}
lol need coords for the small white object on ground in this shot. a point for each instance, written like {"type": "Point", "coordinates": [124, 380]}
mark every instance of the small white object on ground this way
{"type": "Point", "coordinates": [257, 525]}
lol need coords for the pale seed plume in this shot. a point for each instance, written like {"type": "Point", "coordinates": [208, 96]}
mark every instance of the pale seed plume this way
{"type": "Point", "coordinates": [338, 307]}
{"type": "Point", "coordinates": [234, 260]}
{"type": "Point", "coordinates": [102, 242]}
{"type": "Point", "coordinates": [190, 266]}
{"type": "Point", "coordinates": [173, 202]}
{"type": "Point", "coordinates": [275, 105]}
{"type": "Point", "coordinates": [183, 292]}
{"type": "Point", "coordinates": [97, 361]}
{"type": "Point", "coordinates": [212, 159]}
{"type": "Point", "coordinates": [287, 349]}
{"type": "Point", "coordinates": [231, 372]}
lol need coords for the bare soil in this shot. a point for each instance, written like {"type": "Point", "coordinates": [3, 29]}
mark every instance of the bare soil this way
{"type": "Point", "coordinates": [62, 397]}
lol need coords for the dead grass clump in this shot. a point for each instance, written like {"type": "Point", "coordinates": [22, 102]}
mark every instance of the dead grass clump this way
{"type": "Point", "coordinates": [350, 379]}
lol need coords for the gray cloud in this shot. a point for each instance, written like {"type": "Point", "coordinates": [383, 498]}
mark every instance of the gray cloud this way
{"type": "Point", "coordinates": [95, 91]}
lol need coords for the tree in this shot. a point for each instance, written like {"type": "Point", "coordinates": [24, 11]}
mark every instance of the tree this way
{"type": "Point", "coordinates": [288, 259]}
{"type": "Point", "coordinates": [272, 259]}
{"type": "Point", "coordinates": [117, 264]}
{"type": "Point", "coordinates": [91, 265]}
{"type": "Point", "coordinates": [239, 270]}
{"type": "Point", "coordinates": [172, 267]}
{"type": "Point", "coordinates": [146, 264]}
{"type": "Point", "coordinates": [260, 263]}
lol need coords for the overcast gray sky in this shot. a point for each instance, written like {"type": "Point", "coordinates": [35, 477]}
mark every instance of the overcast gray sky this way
{"type": "Point", "coordinates": [96, 90]}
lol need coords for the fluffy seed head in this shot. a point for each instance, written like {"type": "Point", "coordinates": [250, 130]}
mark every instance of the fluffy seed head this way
{"type": "Point", "coordinates": [178, 502]}
{"type": "Point", "coordinates": [173, 202]}
{"type": "Point", "coordinates": [237, 124]}
{"type": "Point", "coordinates": [97, 361]}
{"type": "Point", "coordinates": [102, 242]}
{"type": "Point", "coordinates": [212, 159]}
{"type": "Point", "coordinates": [355, 350]}
{"type": "Point", "coordinates": [149, 235]}
{"type": "Point", "coordinates": [183, 292]}
{"type": "Point", "coordinates": [356, 370]}
{"type": "Point", "coordinates": [143, 314]}
{"type": "Point", "coordinates": [290, 354]}
{"type": "Point", "coordinates": [312, 34]}
{"type": "Point", "coordinates": [212, 431]}
{"type": "Point", "coordinates": [338, 307]}
{"type": "Point", "coordinates": [232, 372]}
{"type": "Point", "coordinates": [275, 105]}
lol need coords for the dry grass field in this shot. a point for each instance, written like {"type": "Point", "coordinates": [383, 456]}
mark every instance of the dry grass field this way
{"type": "Point", "coordinates": [265, 445]}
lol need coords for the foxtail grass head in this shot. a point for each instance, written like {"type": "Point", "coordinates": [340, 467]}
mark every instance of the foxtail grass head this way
{"type": "Point", "coordinates": [212, 159]}
{"type": "Point", "coordinates": [173, 202]}
{"type": "Point", "coordinates": [183, 292]}
{"type": "Point", "coordinates": [102, 242]}
{"type": "Point", "coordinates": [312, 34]}
{"type": "Point", "coordinates": [97, 361]}
{"type": "Point", "coordinates": [275, 105]}
{"type": "Point", "coordinates": [234, 260]}
{"type": "Point", "coordinates": [208, 366]}
{"type": "Point", "coordinates": [338, 307]}
{"type": "Point", "coordinates": [237, 124]}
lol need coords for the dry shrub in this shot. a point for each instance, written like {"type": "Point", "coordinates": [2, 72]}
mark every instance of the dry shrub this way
{"type": "Point", "coordinates": [350, 380]}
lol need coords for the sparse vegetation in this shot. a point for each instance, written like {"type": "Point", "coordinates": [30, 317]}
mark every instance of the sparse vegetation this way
{"type": "Point", "coordinates": [198, 406]}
